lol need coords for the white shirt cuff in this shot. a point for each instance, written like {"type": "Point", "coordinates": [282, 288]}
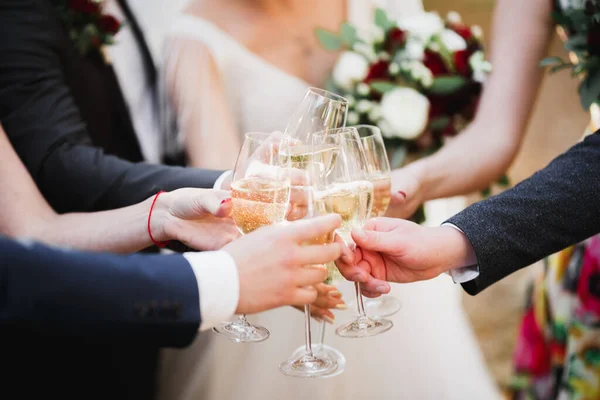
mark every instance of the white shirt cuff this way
{"type": "Point", "coordinates": [221, 179]}
{"type": "Point", "coordinates": [218, 286]}
{"type": "Point", "coordinates": [463, 274]}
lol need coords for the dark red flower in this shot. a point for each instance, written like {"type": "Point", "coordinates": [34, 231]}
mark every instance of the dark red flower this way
{"type": "Point", "coordinates": [395, 40]}
{"type": "Point", "coordinates": [532, 353]}
{"type": "Point", "coordinates": [438, 106]}
{"type": "Point", "coordinates": [96, 43]}
{"type": "Point", "coordinates": [590, 8]}
{"type": "Point", "coordinates": [378, 71]}
{"type": "Point", "coordinates": [593, 40]}
{"type": "Point", "coordinates": [461, 62]}
{"type": "Point", "coordinates": [464, 31]}
{"type": "Point", "coordinates": [85, 6]}
{"type": "Point", "coordinates": [435, 63]}
{"type": "Point", "coordinates": [109, 24]}
{"type": "Point", "coordinates": [587, 289]}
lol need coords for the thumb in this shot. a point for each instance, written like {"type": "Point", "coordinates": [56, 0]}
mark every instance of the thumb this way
{"type": "Point", "coordinates": [373, 240]}
{"type": "Point", "coordinates": [215, 202]}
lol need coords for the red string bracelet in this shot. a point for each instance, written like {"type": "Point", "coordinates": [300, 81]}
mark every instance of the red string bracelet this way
{"type": "Point", "coordinates": [157, 243]}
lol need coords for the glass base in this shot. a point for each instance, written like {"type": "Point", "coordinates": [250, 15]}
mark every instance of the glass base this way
{"type": "Point", "coordinates": [242, 332]}
{"type": "Point", "coordinates": [323, 350]}
{"type": "Point", "coordinates": [306, 366]}
{"type": "Point", "coordinates": [381, 307]}
{"type": "Point", "coordinates": [364, 327]}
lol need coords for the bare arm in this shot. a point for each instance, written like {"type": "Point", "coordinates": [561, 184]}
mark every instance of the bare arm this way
{"type": "Point", "coordinates": [485, 150]}
{"type": "Point", "coordinates": [199, 100]}
{"type": "Point", "coordinates": [183, 215]}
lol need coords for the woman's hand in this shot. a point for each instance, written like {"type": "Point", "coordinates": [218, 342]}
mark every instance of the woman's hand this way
{"type": "Point", "coordinates": [328, 297]}
{"type": "Point", "coordinates": [199, 218]}
{"type": "Point", "coordinates": [407, 194]}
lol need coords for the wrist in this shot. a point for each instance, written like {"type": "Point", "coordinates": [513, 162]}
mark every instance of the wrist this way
{"type": "Point", "coordinates": [457, 252]}
{"type": "Point", "coordinates": [160, 217]}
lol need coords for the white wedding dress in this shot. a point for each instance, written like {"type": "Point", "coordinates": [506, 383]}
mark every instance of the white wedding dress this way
{"type": "Point", "coordinates": [431, 352]}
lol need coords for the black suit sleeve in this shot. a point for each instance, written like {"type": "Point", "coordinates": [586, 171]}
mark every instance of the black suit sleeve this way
{"type": "Point", "coordinates": [555, 208]}
{"type": "Point", "coordinates": [44, 125]}
{"type": "Point", "coordinates": [141, 298]}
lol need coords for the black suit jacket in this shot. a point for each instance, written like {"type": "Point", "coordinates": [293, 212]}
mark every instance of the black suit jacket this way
{"type": "Point", "coordinates": [82, 300]}
{"type": "Point", "coordinates": [65, 116]}
{"type": "Point", "coordinates": [555, 208]}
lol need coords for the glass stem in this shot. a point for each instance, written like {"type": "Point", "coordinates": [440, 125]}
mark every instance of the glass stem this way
{"type": "Point", "coordinates": [322, 327]}
{"type": "Point", "coordinates": [242, 320]}
{"type": "Point", "coordinates": [359, 301]}
{"type": "Point", "coordinates": [308, 339]}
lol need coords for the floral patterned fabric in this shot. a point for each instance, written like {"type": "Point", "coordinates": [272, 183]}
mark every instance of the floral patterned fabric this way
{"type": "Point", "coordinates": [558, 350]}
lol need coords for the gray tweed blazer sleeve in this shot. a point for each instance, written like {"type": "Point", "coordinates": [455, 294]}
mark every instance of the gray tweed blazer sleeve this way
{"type": "Point", "coordinates": [555, 208]}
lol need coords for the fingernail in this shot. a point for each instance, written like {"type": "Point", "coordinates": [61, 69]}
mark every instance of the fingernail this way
{"type": "Point", "coordinates": [328, 319]}
{"type": "Point", "coordinates": [225, 200]}
{"type": "Point", "coordinates": [381, 289]}
{"type": "Point", "coordinates": [334, 293]}
{"type": "Point", "coordinates": [358, 278]}
{"type": "Point", "coordinates": [343, 306]}
{"type": "Point", "coordinates": [401, 193]}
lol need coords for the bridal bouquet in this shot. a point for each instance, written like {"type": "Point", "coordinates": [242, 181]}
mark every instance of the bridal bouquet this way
{"type": "Point", "coordinates": [418, 79]}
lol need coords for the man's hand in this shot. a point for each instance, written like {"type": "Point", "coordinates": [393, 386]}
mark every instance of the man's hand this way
{"type": "Point", "coordinates": [276, 267]}
{"type": "Point", "coordinates": [199, 218]}
{"type": "Point", "coordinates": [396, 250]}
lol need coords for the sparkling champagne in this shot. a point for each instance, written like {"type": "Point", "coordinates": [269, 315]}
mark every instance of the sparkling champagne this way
{"type": "Point", "coordinates": [365, 195]}
{"type": "Point", "coordinates": [382, 194]}
{"type": "Point", "coordinates": [344, 200]}
{"type": "Point", "coordinates": [258, 202]}
{"type": "Point", "coordinates": [301, 156]}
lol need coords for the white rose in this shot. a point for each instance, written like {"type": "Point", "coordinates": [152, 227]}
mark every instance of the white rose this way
{"type": "Point", "coordinates": [454, 18]}
{"type": "Point", "coordinates": [405, 113]}
{"type": "Point", "coordinates": [394, 68]}
{"type": "Point", "coordinates": [352, 118]}
{"type": "Point", "coordinates": [453, 41]}
{"type": "Point", "coordinates": [363, 89]}
{"type": "Point", "coordinates": [377, 34]}
{"type": "Point", "coordinates": [414, 49]}
{"type": "Point", "coordinates": [477, 31]}
{"type": "Point", "coordinates": [375, 113]}
{"type": "Point", "coordinates": [422, 25]}
{"type": "Point", "coordinates": [349, 69]}
{"type": "Point", "coordinates": [363, 106]}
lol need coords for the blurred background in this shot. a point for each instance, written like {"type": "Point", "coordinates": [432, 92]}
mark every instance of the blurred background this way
{"type": "Point", "coordinates": [557, 123]}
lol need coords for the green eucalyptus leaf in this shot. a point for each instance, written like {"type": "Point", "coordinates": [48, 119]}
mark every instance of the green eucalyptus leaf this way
{"type": "Point", "coordinates": [329, 40]}
{"type": "Point", "coordinates": [550, 61]}
{"type": "Point", "coordinates": [576, 43]}
{"type": "Point", "coordinates": [589, 89]}
{"type": "Point", "coordinates": [557, 68]}
{"type": "Point", "coordinates": [382, 20]}
{"type": "Point", "coordinates": [383, 86]}
{"type": "Point", "coordinates": [439, 124]}
{"type": "Point", "coordinates": [486, 192]}
{"type": "Point", "coordinates": [348, 34]}
{"type": "Point", "coordinates": [504, 181]}
{"type": "Point", "coordinates": [447, 84]}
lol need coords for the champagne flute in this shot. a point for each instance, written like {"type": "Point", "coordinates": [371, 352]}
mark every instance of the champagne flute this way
{"type": "Point", "coordinates": [379, 174]}
{"type": "Point", "coordinates": [306, 363]}
{"type": "Point", "coordinates": [318, 111]}
{"type": "Point", "coordinates": [354, 206]}
{"type": "Point", "coordinates": [260, 192]}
